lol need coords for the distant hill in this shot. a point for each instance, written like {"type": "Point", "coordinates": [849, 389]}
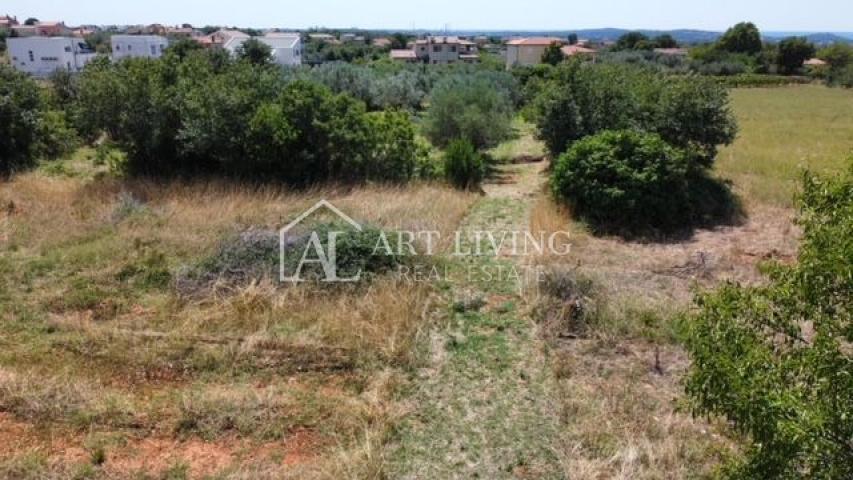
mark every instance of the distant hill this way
{"type": "Point", "coordinates": [817, 38]}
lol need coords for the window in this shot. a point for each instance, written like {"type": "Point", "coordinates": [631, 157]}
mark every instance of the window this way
{"type": "Point", "coordinates": [118, 48]}
{"type": "Point", "coordinates": [436, 48]}
{"type": "Point", "coordinates": [67, 49]}
{"type": "Point", "coordinates": [129, 48]}
{"type": "Point", "coordinates": [453, 48]}
{"type": "Point", "coordinates": [32, 57]}
{"type": "Point", "coordinates": [154, 50]}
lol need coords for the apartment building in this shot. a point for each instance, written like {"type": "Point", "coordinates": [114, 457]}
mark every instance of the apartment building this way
{"type": "Point", "coordinates": [442, 50]}
{"type": "Point", "coordinates": [41, 56]}
{"type": "Point", "coordinates": [145, 46]}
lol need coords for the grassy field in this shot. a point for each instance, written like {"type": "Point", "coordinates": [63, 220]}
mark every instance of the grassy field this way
{"type": "Point", "coordinates": [782, 131]}
{"type": "Point", "coordinates": [111, 367]}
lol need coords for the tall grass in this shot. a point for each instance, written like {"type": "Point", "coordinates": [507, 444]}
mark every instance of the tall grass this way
{"type": "Point", "coordinates": [782, 131]}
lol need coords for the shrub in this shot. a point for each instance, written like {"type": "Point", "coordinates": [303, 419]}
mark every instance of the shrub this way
{"type": "Point", "coordinates": [687, 111]}
{"type": "Point", "coordinates": [619, 180]}
{"type": "Point", "coordinates": [20, 111]}
{"type": "Point", "coordinates": [55, 137]}
{"type": "Point", "coordinates": [473, 107]}
{"type": "Point", "coordinates": [775, 360]}
{"type": "Point", "coordinates": [198, 116]}
{"type": "Point", "coordinates": [463, 165]}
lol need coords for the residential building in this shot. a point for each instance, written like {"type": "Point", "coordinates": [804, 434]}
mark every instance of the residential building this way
{"type": "Point", "coordinates": [42, 29]}
{"type": "Point", "coordinates": [182, 32]}
{"type": "Point", "coordinates": [441, 50]}
{"type": "Point", "coordinates": [322, 38]}
{"type": "Point", "coordinates": [407, 56]}
{"type": "Point", "coordinates": [286, 47]}
{"type": "Point", "coordinates": [7, 22]}
{"type": "Point", "coordinates": [146, 46]}
{"type": "Point", "coordinates": [528, 51]}
{"type": "Point", "coordinates": [573, 50]}
{"type": "Point", "coordinates": [352, 38]}
{"type": "Point", "coordinates": [41, 56]}
{"type": "Point", "coordinates": [382, 42]}
{"type": "Point", "coordinates": [227, 39]}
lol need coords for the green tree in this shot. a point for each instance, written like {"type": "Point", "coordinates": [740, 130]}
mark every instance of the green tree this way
{"type": "Point", "coordinates": [793, 52]}
{"type": "Point", "coordinates": [464, 167]}
{"type": "Point", "coordinates": [632, 41]}
{"type": "Point", "coordinates": [184, 47]}
{"type": "Point", "coordinates": [20, 112]}
{"type": "Point", "coordinates": [665, 41]}
{"type": "Point", "coordinates": [31, 21]}
{"type": "Point", "coordinates": [741, 38]}
{"type": "Point", "coordinates": [775, 360]}
{"type": "Point", "coordinates": [573, 39]}
{"type": "Point", "coordinates": [473, 107]}
{"type": "Point", "coordinates": [687, 111]}
{"type": "Point", "coordinates": [552, 55]}
{"type": "Point", "coordinates": [255, 52]}
{"type": "Point", "coordinates": [837, 55]}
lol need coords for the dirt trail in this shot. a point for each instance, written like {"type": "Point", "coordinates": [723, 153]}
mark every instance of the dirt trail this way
{"type": "Point", "coordinates": [483, 406]}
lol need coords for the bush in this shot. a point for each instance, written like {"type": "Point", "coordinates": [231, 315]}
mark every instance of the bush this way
{"type": "Point", "coordinates": [687, 111]}
{"type": "Point", "coordinates": [20, 112]}
{"type": "Point", "coordinates": [463, 165]}
{"type": "Point", "coordinates": [775, 360]}
{"type": "Point", "coordinates": [199, 116]}
{"type": "Point", "coordinates": [55, 137]}
{"type": "Point", "coordinates": [625, 180]}
{"type": "Point", "coordinates": [474, 107]}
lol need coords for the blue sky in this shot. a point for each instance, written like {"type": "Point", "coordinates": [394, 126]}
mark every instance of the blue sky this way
{"type": "Point", "coordinates": [785, 15]}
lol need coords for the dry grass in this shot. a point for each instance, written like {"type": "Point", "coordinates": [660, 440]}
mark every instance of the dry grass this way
{"type": "Point", "coordinates": [782, 131]}
{"type": "Point", "coordinates": [621, 419]}
{"type": "Point", "coordinates": [195, 383]}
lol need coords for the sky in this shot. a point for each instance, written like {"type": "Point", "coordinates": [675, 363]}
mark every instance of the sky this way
{"type": "Point", "coordinates": [769, 15]}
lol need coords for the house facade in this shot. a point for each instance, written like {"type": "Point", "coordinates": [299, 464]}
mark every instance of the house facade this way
{"type": "Point", "coordinates": [286, 47]}
{"type": "Point", "coordinates": [41, 56]}
{"type": "Point", "coordinates": [444, 50]}
{"type": "Point", "coordinates": [522, 52]}
{"type": "Point", "coordinates": [144, 46]}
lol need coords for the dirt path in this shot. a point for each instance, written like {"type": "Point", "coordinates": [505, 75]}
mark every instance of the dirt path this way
{"type": "Point", "coordinates": [483, 405]}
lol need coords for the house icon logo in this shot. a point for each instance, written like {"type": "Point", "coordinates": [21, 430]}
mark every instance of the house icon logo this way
{"type": "Point", "coordinates": [317, 250]}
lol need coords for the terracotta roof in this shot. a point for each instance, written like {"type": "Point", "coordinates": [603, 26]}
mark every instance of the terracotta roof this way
{"type": "Point", "coordinates": [403, 54]}
{"type": "Point", "coordinates": [570, 50]}
{"type": "Point", "coordinates": [536, 41]}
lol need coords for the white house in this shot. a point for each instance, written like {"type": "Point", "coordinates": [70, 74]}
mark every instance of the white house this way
{"type": "Point", "coordinates": [41, 56]}
{"type": "Point", "coordinates": [148, 46]}
{"type": "Point", "coordinates": [286, 47]}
